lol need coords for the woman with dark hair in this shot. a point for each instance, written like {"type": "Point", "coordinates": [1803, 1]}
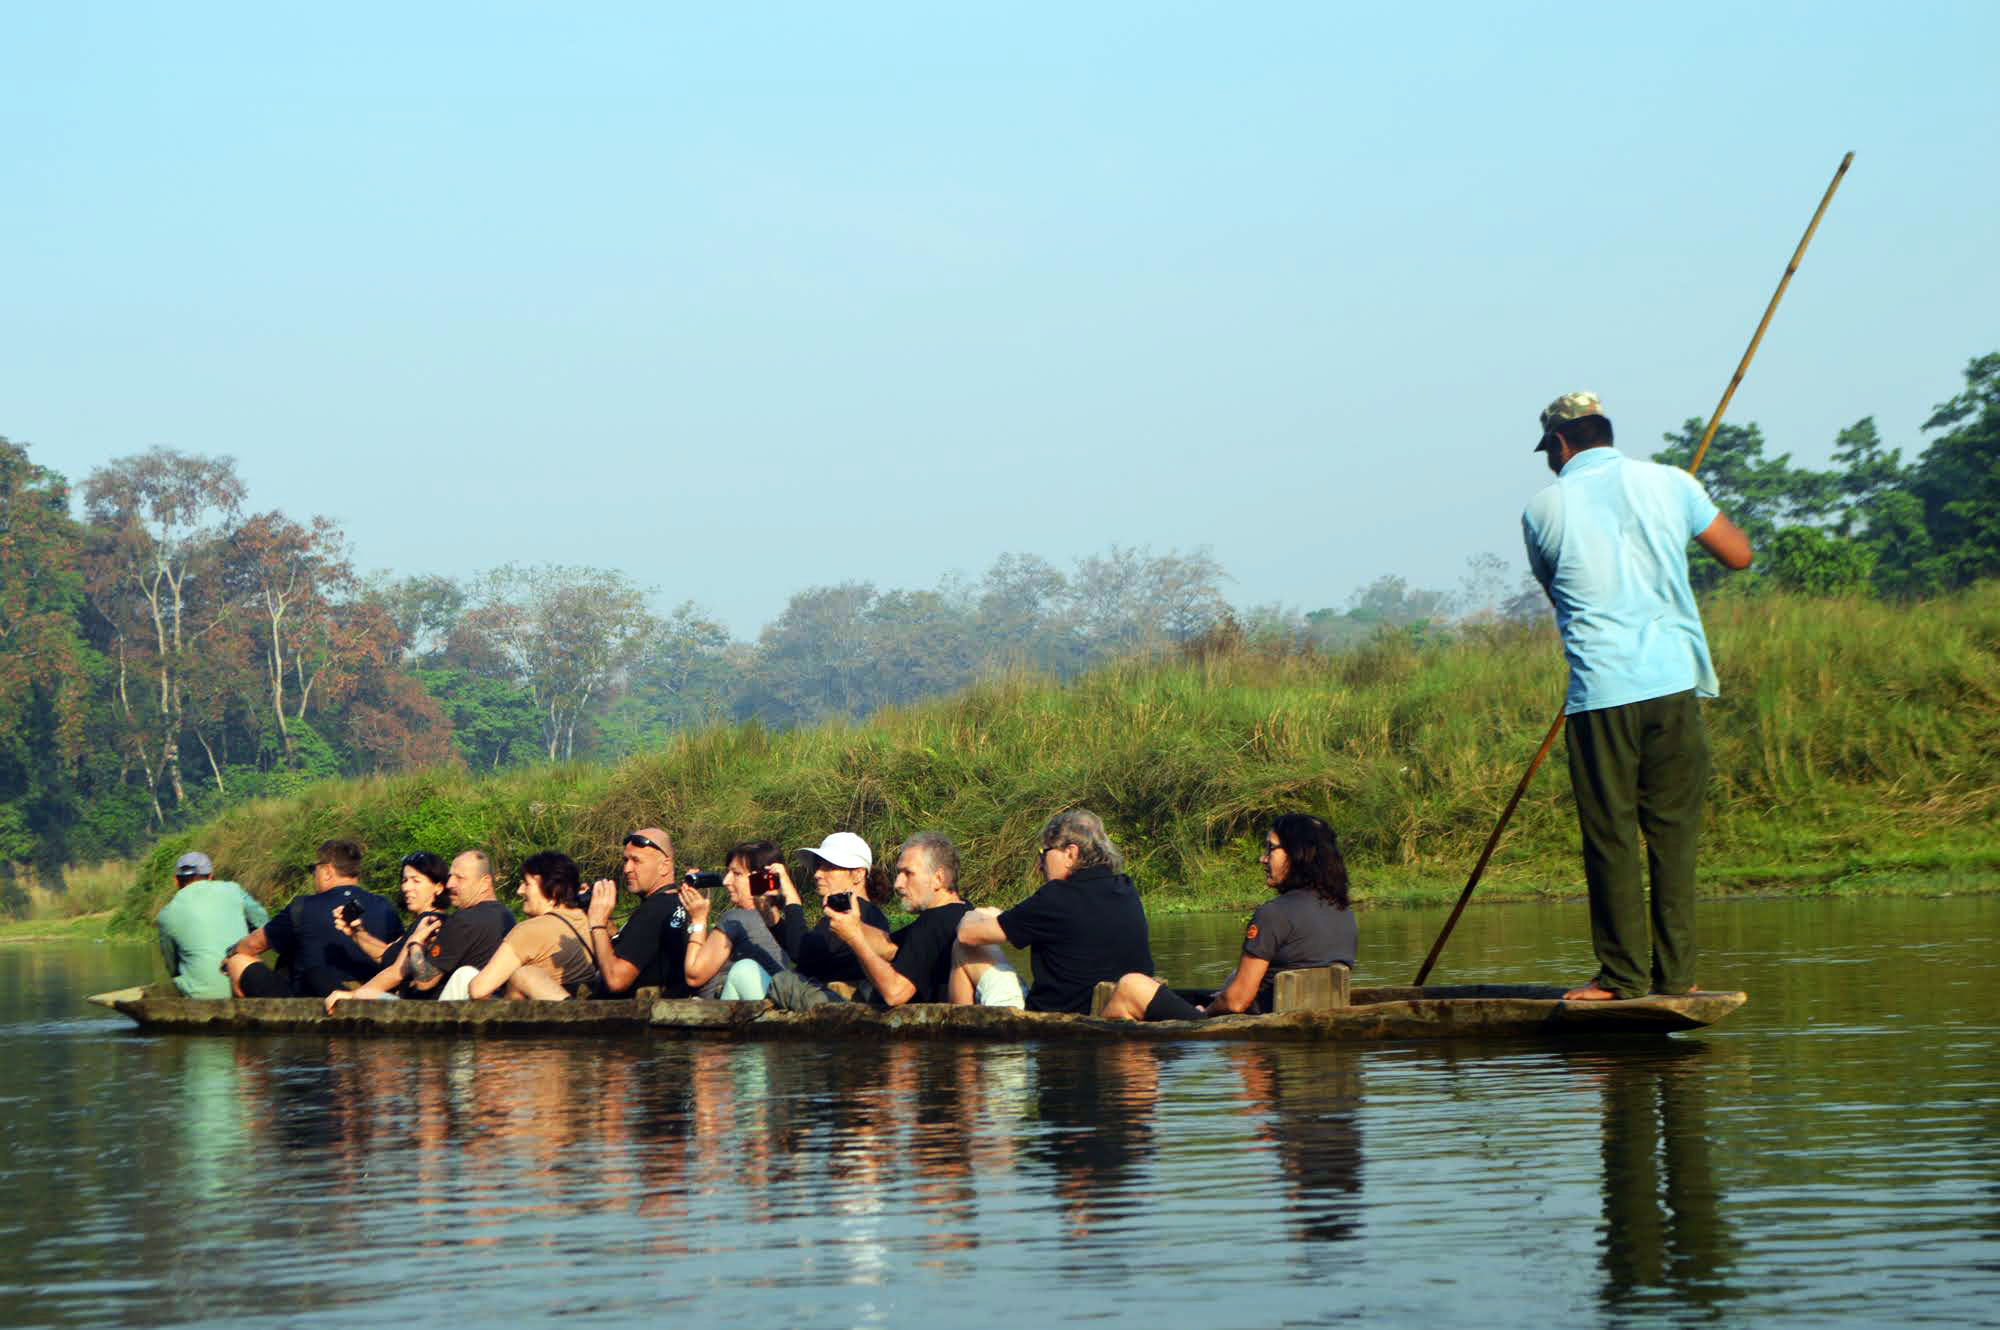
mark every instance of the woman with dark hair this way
{"type": "Point", "coordinates": [1307, 924]}
{"type": "Point", "coordinates": [424, 877]}
{"type": "Point", "coordinates": [547, 956]}
{"type": "Point", "coordinates": [423, 887]}
{"type": "Point", "coordinates": [736, 961]}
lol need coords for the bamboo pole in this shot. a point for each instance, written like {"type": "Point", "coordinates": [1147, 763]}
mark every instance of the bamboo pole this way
{"type": "Point", "coordinates": [1708, 437]}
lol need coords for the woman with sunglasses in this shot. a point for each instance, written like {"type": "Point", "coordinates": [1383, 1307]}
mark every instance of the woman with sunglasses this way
{"type": "Point", "coordinates": [1305, 925]}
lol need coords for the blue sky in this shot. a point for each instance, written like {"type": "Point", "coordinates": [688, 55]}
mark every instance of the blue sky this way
{"type": "Point", "coordinates": [742, 299]}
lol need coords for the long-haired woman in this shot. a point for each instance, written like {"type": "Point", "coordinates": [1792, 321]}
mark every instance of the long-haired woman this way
{"type": "Point", "coordinates": [1306, 924]}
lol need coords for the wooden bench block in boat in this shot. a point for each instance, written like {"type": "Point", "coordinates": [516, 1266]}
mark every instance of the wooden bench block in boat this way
{"type": "Point", "coordinates": [1321, 988]}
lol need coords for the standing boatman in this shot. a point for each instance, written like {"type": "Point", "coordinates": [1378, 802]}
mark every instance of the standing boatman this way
{"type": "Point", "coordinates": [1608, 542]}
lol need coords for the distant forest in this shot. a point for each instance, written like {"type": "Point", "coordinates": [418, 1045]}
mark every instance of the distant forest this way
{"type": "Point", "coordinates": [169, 649]}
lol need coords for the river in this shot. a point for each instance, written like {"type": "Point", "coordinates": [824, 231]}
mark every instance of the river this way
{"type": "Point", "coordinates": [1828, 1156]}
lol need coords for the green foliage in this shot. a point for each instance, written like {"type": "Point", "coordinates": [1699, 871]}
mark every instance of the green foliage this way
{"type": "Point", "coordinates": [1847, 727]}
{"type": "Point", "coordinates": [493, 723]}
{"type": "Point", "coordinates": [1958, 478]}
{"type": "Point", "coordinates": [1808, 560]}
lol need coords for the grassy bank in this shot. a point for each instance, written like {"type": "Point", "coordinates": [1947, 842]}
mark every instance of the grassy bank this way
{"type": "Point", "coordinates": [1856, 747]}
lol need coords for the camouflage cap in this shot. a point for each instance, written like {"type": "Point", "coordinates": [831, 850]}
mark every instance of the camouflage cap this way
{"type": "Point", "coordinates": [1568, 407]}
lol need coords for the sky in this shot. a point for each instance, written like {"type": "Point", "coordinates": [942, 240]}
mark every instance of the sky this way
{"type": "Point", "coordinates": [741, 299]}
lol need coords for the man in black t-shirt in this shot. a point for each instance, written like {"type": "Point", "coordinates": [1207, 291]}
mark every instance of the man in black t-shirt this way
{"type": "Point", "coordinates": [920, 968]}
{"type": "Point", "coordinates": [319, 957]}
{"type": "Point", "coordinates": [1084, 924]}
{"type": "Point", "coordinates": [440, 948]}
{"type": "Point", "coordinates": [650, 951]}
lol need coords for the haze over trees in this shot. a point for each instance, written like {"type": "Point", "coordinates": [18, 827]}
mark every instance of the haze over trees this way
{"type": "Point", "coordinates": [169, 650]}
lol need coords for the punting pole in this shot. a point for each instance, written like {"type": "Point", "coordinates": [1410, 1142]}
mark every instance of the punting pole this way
{"type": "Point", "coordinates": [1708, 437]}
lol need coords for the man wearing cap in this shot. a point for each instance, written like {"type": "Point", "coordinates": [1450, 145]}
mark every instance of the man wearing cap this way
{"type": "Point", "coordinates": [199, 924]}
{"type": "Point", "coordinates": [1608, 542]}
{"type": "Point", "coordinates": [650, 951]}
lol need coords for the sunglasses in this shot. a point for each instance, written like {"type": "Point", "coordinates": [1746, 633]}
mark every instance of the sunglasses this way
{"type": "Point", "coordinates": [636, 839]}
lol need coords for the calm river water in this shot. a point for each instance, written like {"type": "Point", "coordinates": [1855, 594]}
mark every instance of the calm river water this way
{"type": "Point", "coordinates": [1829, 1156]}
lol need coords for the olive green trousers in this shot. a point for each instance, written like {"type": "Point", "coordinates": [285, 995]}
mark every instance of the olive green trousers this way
{"type": "Point", "coordinates": [1641, 767]}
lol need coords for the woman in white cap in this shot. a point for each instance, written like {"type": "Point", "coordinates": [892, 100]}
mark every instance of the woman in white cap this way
{"type": "Point", "coordinates": [843, 866]}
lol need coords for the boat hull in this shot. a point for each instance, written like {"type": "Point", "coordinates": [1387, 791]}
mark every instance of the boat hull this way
{"type": "Point", "coordinates": [1486, 1011]}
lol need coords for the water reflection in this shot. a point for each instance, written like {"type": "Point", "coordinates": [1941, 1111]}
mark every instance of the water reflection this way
{"type": "Point", "coordinates": [1306, 1103]}
{"type": "Point", "coordinates": [1094, 1105]}
{"type": "Point", "coordinates": [1829, 1157]}
{"type": "Point", "coordinates": [1664, 1230]}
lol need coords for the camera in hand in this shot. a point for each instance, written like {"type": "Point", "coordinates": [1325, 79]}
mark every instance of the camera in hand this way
{"type": "Point", "coordinates": [703, 881]}
{"type": "Point", "coordinates": [349, 912]}
{"type": "Point", "coordinates": [840, 901]}
{"type": "Point", "coordinates": [763, 881]}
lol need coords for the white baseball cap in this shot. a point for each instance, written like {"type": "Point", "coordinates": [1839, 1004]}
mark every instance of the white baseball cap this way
{"type": "Point", "coordinates": [844, 849]}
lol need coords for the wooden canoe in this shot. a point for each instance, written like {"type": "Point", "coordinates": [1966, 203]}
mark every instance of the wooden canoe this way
{"type": "Point", "coordinates": [1478, 1011]}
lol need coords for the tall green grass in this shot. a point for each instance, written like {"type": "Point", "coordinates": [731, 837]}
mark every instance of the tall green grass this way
{"type": "Point", "coordinates": [1854, 740]}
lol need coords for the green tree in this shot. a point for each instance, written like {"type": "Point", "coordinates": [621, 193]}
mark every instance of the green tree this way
{"type": "Point", "coordinates": [565, 635]}
{"type": "Point", "coordinates": [45, 666]}
{"type": "Point", "coordinates": [493, 722]}
{"type": "Point", "coordinates": [1758, 493]}
{"type": "Point", "coordinates": [1958, 478]}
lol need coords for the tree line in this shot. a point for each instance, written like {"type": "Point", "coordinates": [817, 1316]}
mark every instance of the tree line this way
{"type": "Point", "coordinates": [165, 648]}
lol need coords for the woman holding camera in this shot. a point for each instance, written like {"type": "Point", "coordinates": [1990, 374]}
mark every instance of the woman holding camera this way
{"type": "Point", "coordinates": [424, 875]}
{"type": "Point", "coordinates": [1305, 925]}
{"type": "Point", "coordinates": [547, 956]}
{"type": "Point", "coordinates": [736, 961]}
{"type": "Point", "coordinates": [843, 868]}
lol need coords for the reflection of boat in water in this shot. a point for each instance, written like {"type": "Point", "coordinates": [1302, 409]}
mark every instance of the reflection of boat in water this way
{"type": "Point", "coordinates": [1363, 1014]}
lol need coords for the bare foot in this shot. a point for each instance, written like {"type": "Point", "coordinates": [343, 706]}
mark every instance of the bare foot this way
{"type": "Point", "coordinates": [1590, 992]}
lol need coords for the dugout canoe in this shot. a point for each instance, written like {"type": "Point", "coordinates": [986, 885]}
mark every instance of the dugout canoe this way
{"type": "Point", "coordinates": [1478, 1011]}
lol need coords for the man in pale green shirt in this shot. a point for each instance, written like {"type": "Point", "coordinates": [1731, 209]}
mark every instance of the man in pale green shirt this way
{"type": "Point", "coordinates": [201, 923]}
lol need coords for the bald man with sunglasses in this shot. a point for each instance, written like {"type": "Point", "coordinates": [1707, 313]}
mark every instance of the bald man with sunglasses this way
{"type": "Point", "coordinates": [651, 949]}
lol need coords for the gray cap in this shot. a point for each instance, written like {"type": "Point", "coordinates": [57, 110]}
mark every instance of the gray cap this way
{"type": "Point", "coordinates": [193, 864]}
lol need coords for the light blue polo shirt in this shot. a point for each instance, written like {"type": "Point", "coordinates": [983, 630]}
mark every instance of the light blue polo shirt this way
{"type": "Point", "coordinates": [1608, 542]}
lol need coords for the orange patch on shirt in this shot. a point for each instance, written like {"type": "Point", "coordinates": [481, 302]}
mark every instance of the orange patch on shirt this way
{"type": "Point", "coordinates": [1251, 934]}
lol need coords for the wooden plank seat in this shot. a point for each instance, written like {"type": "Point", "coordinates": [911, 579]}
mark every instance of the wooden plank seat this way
{"type": "Point", "coordinates": [1319, 988]}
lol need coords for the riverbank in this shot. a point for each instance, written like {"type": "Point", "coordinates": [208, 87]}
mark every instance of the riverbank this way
{"type": "Point", "coordinates": [1856, 749]}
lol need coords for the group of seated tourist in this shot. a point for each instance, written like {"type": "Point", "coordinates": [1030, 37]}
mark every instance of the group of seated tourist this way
{"type": "Point", "coordinates": [1084, 925]}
